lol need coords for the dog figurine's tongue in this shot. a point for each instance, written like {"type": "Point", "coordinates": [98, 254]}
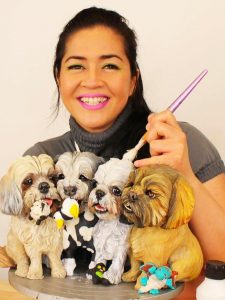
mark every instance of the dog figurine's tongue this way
{"type": "Point", "coordinates": [48, 201]}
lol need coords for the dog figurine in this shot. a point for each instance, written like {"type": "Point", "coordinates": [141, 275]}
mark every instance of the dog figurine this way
{"type": "Point", "coordinates": [29, 180]}
{"type": "Point", "coordinates": [159, 202]}
{"type": "Point", "coordinates": [110, 235]}
{"type": "Point", "coordinates": [74, 174]}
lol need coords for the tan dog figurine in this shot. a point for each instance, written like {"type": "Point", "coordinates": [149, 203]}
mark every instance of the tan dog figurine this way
{"type": "Point", "coordinates": [159, 202]}
{"type": "Point", "coordinates": [27, 182]}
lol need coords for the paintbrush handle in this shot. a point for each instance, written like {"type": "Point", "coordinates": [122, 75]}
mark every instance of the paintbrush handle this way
{"type": "Point", "coordinates": [176, 103]}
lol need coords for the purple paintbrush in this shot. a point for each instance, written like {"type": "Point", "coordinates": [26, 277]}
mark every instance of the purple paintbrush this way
{"type": "Point", "coordinates": [176, 103]}
{"type": "Point", "coordinates": [131, 154]}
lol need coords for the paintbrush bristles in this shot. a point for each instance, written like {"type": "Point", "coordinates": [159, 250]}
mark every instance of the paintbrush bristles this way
{"type": "Point", "coordinates": [132, 153]}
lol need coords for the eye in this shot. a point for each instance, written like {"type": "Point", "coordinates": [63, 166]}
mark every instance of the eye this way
{"type": "Point", "coordinates": [83, 178]}
{"type": "Point", "coordinates": [116, 191]}
{"type": "Point", "coordinates": [75, 67]}
{"type": "Point", "coordinates": [94, 183]}
{"type": "Point", "coordinates": [60, 176]}
{"type": "Point", "coordinates": [150, 194]}
{"type": "Point", "coordinates": [52, 178]}
{"type": "Point", "coordinates": [111, 67]}
{"type": "Point", "coordinates": [28, 181]}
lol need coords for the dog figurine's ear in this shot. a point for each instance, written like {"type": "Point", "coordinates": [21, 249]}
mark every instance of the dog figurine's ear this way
{"type": "Point", "coordinates": [181, 204]}
{"type": "Point", "coordinates": [100, 160]}
{"type": "Point", "coordinates": [56, 158]}
{"type": "Point", "coordinates": [11, 202]}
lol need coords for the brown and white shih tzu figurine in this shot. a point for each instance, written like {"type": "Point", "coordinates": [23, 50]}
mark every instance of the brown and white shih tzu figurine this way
{"type": "Point", "coordinates": [159, 202]}
{"type": "Point", "coordinates": [27, 182]}
{"type": "Point", "coordinates": [74, 174]}
{"type": "Point", "coordinates": [110, 235]}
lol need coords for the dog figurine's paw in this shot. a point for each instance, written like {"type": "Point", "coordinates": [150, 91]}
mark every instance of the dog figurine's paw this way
{"type": "Point", "coordinates": [137, 285]}
{"type": "Point", "coordinates": [129, 276]}
{"type": "Point", "coordinates": [112, 277]}
{"type": "Point", "coordinates": [69, 265]}
{"type": "Point", "coordinates": [58, 273]}
{"type": "Point", "coordinates": [35, 274]}
{"type": "Point", "coordinates": [22, 270]}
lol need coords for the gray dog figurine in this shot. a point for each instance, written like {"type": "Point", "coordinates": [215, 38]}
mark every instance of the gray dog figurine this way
{"type": "Point", "coordinates": [74, 174]}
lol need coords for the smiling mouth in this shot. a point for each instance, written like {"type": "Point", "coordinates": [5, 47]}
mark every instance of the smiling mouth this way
{"type": "Point", "coordinates": [93, 100]}
{"type": "Point", "coordinates": [100, 209]}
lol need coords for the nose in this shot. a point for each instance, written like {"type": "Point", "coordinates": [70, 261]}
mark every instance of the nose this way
{"type": "Point", "coordinates": [99, 194]}
{"type": "Point", "coordinates": [43, 187]}
{"type": "Point", "coordinates": [70, 190]}
{"type": "Point", "coordinates": [92, 79]}
{"type": "Point", "coordinates": [133, 196]}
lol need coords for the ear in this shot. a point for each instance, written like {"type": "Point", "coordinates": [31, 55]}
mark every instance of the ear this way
{"type": "Point", "coordinates": [11, 202]}
{"type": "Point", "coordinates": [181, 204]}
{"type": "Point", "coordinates": [56, 158]}
{"type": "Point", "coordinates": [100, 161]}
{"type": "Point", "coordinates": [134, 81]}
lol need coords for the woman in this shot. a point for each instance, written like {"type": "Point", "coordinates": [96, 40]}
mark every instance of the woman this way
{"type": "Point", "coordinates": [100, 84]}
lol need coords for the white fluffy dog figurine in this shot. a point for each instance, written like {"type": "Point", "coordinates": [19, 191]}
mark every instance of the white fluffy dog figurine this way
{"type": "Point", "coordinates": [74, 172]}
{"type": "Point", "coordinates": [27, 181]}
{"type": "Point", "coordinates": [110, 235]}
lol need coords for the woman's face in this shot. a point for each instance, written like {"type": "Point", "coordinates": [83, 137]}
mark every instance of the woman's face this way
{"type": "Point", "coordinates": [95, 79]}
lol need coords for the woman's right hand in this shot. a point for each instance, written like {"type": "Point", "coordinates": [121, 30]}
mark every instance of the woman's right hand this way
{"type": "Point", "coordinates": [168, 144]}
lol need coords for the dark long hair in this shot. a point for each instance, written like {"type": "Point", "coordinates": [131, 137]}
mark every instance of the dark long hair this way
{"type": "Point", "coordinates": [91, 17]}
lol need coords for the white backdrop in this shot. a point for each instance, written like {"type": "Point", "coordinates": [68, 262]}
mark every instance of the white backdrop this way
{"type": "Point", "coordinates": [177, 40]}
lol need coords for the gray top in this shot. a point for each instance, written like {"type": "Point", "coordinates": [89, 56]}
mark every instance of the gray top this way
{"type": "Point", "coordinates": [123, 135]}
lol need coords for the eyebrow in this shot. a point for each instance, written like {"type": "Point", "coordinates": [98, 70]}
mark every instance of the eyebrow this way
{"type": "Point", "coordinates": [105, 56]}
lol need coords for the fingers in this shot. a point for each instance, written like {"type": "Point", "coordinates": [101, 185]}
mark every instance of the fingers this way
{"type": "Point", "coordinates": [168, 143]}
{"type": "Point", "coordinates": [166, 152]}
{"type": "Point", "coordinates": [164, 146]}
{"type": "Point", "coordinates": [160, 130]}
{"type": "Point", "coordinates": [163, 126]}
{"type": "Point", "coordinates": [165, 116]}
{"type": "Point", "coordinates": [161, 159]}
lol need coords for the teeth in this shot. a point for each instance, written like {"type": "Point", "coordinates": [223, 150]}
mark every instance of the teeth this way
{"type": "Point", "coordinates": [93, 100]}
{"type": "Point", "coordinates": [100, 208]}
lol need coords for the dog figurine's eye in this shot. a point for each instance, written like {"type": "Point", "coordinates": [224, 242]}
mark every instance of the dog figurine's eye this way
{"type": "Point", "coordinates": [28, 181]}
{"type": "Point", "coordinates": [83, 178]}
{"type": "Point", "coordinates": [116, 191]}
{"type": "Point", "coordinates": [60, 176]}
{"type": "Point", "coordinates": [52, 178]}
{"type": "Point", "coordinates": [94, 183]}
{"type": "Point", "coordinates": [150, 194]}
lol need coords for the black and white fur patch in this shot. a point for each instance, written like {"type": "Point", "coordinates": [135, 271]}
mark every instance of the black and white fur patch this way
{"type": "Point", "coordinates": [78, 234]}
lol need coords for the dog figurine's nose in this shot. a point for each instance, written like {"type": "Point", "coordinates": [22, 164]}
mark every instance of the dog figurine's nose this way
{"type": "Point", "coordinates": [44, 187]}
{"type": "Point", "coordinates": [133, 196]}
{"type": "Point", "coordinates": [99, 194]}
{"type": "Point", "coordinates": [70, 190]}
